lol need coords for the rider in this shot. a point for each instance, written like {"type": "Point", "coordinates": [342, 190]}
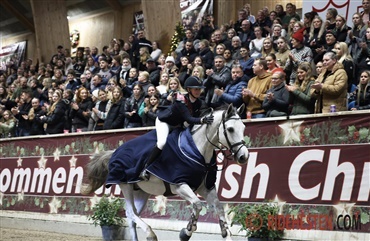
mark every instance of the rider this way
{"type": "Point", "coordinates": [184, 108]}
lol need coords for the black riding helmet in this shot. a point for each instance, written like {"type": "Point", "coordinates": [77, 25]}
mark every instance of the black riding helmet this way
{"type": "Point", "coordinates": [193, 82]}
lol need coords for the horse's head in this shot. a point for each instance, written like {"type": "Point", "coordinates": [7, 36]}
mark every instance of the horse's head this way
{"type": "Point", "coordinates": [231, 133]}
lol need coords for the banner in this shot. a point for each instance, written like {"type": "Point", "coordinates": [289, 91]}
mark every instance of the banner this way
{"type": "Point", "coordinates": [138, 22]}
{"type": "Point", "coordinates": [346, 8]}
{"type": "Point", "coordinates": [12, 54]}
{"type": "Point", "coordinates": [192, 11]}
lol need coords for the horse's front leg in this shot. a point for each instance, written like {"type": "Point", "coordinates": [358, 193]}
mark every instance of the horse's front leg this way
{"type": "Point", "coordinates": [133, 214]}
{"type": "Point", "coordinates": [212, 199]}
{"type": "Point", "coordinates": [185, 192]}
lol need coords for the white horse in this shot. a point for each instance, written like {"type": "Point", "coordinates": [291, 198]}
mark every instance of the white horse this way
{"type": "Point", "coordinates": [227, 131]}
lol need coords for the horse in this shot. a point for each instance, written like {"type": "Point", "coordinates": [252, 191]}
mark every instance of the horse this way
{"type": "Point", "coordinates": [226, 132]}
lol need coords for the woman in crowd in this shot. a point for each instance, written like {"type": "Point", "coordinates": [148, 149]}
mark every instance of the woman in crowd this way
{"type": "Point", "coordinates": [8, 126]}
{"type": "Point", "coordinates": [132, 104]}
{"type": "Point", "coordinates": [316, 37]}
{"type": "Point", "coordinates": [230, 34]}
{"type": "Point", "coordinates": [355, 34]}
{"type": "Point", "coordinates": [55, 117]}
{"type": "Point", "coordinates": [116, 114]}
{"type": "Point", "coordinates": [161, 62]}
{"type": "Point", "coordinates": [198, 71]}
{"type": "Point", "coordinates": [58, 76]}
{"type": "Point", "coordinates": [151, 110]}
{"type": "Point", "coordinates": [173, 86]}
{"type": "Point", "coordinates": [271, 62]}
{"type": "Point", "coordinates": [125, 68]}
{"type": "Point", "coordinates": [220, 49]}
{"type": "Point", "coordinates": [116, 66]}
{"type": "Point", "coordinates": [277, 32]}
{"type": "Point", "coordinates": [156, 51]}
{"type": "Point", "coordinates": [341, 49]}
{"type": "Point", "coordinates": [267, 47]}
{"type": "Point", "coordinates": [291, 28]}
{"type": "Point", "coordinates": [363, 57]}
{"type": "Point", "coordinates": [341, 28]}
{"type": "Point", "coordinates": [91, 65]}
{"type": "Point", "coordinates": [363, 92]}
{"type": "Point", "coordinates": [142, 58]}
{"type": "Point", "coordinates": [109, 87]}
{"type": "Point", "coordinates": [162, 87]}
{"type": "Point", "coordinates": [301, 93]}
{"type": "Point", "coordinates": [282, 55]}
{"type": "Point", "coordinates": [132, 77]}
{"type": "Point", "coordinates": [246, 62]}
{"type": "Point", "coordinates": [319, 67]}
{"type": "Point", "coordinates": [99, 112]}
{"type": "Point", "coordinates": [256, 44]}
{"type": "Point", "coordinates": [81, 110]}
{"type": "Point", "coordinates": [184, 71]}
{"type": "Point", "coordinates": [37, 126]}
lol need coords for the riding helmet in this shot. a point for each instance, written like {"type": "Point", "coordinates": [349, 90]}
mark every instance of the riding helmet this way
{"type": "Point", "coordinates": [193, 82]}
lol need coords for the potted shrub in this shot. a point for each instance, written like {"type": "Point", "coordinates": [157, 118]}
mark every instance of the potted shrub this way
{"type": "Point", "coordinates": [107, 213]}
{"type": "Point", "coordinates": [253, 219]}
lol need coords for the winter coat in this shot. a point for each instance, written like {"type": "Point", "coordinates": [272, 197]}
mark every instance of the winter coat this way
{"type": "Point", "coordinates": [207, 57]}
{"type": "Point", "coordinates": [334, 90]}
{"type": "Point", "coordinates": [53, 120]}
{"type": "Point", "coordinates": [279, 105]}
{"type": "Point", "coordinates": [363, 101]}
{"type": "Point", "coordinates": [37, 125]}
{"type": "Point", "coordinates": [149, 117]}
{"type": "Point", "coordinates": [130, 105]}
{"type": "Point", "coordinates": [79, 121]}
{"type": "Point", "coordinates": [116, 116]}
{"type": "Point", "coordinates": [233, 92]}
{"type": "Point", "coordinates": [219, 79]}
{"type": "Point", "coordinates": [303, 101]}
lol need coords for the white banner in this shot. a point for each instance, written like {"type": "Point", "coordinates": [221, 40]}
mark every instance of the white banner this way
{"type": "Point", "coordinates": [192, 11]}
{"type": "Point", "coordinates": [12, 54]}
{"type": "Point", "coordinates": [345, 8]}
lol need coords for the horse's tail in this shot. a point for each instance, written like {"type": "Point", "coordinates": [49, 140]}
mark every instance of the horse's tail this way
{"type": "Point", "coordinates": [96, 172]}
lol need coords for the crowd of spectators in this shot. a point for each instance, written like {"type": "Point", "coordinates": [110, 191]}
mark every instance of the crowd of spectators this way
{"type": "Point", "coordinates": [277, 63]}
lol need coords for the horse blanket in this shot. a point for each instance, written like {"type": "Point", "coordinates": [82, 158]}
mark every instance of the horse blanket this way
{"type": "Point", "coordinates": [179, 162]}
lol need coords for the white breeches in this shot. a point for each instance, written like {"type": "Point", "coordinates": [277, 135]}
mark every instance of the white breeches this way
{"type": "Point", "coordinates": [162, 129]}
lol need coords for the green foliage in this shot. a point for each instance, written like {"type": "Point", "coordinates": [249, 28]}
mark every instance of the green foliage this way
{"type": "Point", "coordinates": [107, 212]}
{"type": "Point", "coordinates": [177, 37]}
{"type": "Point", "coordinates": [256, 215]}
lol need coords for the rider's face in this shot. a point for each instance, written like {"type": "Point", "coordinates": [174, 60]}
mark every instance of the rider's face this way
{"type": "Point", "coordinates": [196, 92]}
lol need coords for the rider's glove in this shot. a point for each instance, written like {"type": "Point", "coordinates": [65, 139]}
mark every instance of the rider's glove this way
{"type": "Point", "coordinates": [207, 119]}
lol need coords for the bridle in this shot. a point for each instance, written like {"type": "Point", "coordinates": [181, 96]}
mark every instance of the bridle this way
{"type": "Point", "coordinates": [229, 146]}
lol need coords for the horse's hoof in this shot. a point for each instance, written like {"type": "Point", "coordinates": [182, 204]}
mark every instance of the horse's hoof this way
{"type": "Point", "coordinates": [152, 238]}
{"type": "Point", "coordinates": [224, 233]}
{"type": "Point", "coordinates": [183, 236]}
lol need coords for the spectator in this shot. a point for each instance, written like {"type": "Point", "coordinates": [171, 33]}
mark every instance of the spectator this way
{"type": "Point", "coordinates": [161, 88]}
{"type": "Point", "coordinates": [132, 77]}
{"type": "Point", "coordinates": [346, 60]}
{"type": "Point", "coordinates": [331, 86]}
{"type": "Point", "coordinates": [230, 34]}
{"type": "Point", "coordinates": [132, 104]}
{"type": "Point", "coordinates": [319, 68]}
{"type": "Point", "coordinates": [21, 113]}
{"type": "Point", "coordinates": [72, 83]}
{"type": "Point", "coordinates": [263, 22]}
{"type": "Point", "coordinates": [156, 51]}
{"type": "Point", "coordinates": [170, 67]}
{"type": "Point", "coordinates": [184, 71]}
{"type": "Point", "coordinates": [125, 68]}
{"type": "Point", "coordinates": [272, 63]}
{"type": "Point", "coordinates": [301, 94]}
{"type": "Point", "coordinates": [331, 15]}
{"type": "Point", "coordinates": [290, 30]}
{"type": "Point", "coordinates": [341, 28]}
{"type": "Point", "coordinates": [188, 51]}
{"type": "Point", "coordinates": [363, 57]}
{"type": "Point", "coordinates": [233, 90]}
{"type": "Point", "coordinates": [236, 44]}
{"type": "Point", "coordinates": [140, 42]}
{"type": "Point", "coordinates": [91, 65]}
{"type": "Point", "coordinates": [246, 62]}
{"type": "Point", "coordinates": [276, 101]}
{"type": "Point", "coordinates": [104, 71]}
{"type": "Point", "coordinates": [228, 58]}
{"type": "Point", "coordinates": [8, 126]}
{"type": "Point", "coordinates": [298, 54]}
{"type": "Point", "coordinates": [143, 56]}
{"type": "Point", "coordinates": [56, 114]}
{"type": "Point", "coordinates": [173, 86]}
{"type": "Point", "coordinates": [363, 92]}
{"type": "Point", "coordinates": [279, 9]}
{"type": "Point", "coordinates": [116, 66]}
{"type": "Point", "coordinates": [267, 47]}
{"type": "Point", "coordinates": [255, 92]}
{"type": "Point", "coordinates": [189, 37]}
{"type": "Point", "coordinates": [84, 82]}
{"type": "Point", "coordinates": [81, 110]}
{"type": "Point", "coordinates": [242, 15]}
{"type": "Point", "coordinates": [97, 83]}
{"type": "Point", "coordinates": [277, 32]}
{"type": "Point", "coordinates": [366, 12]}
{"type": "Point", "coordinates": [316, 37]}
{"type": "Point", "coordinates": [290, 13]}
{"type": "Point", "coordinates": [143, 81]}
{"type": "Point", "coordinates": [116, 114]}
{"type": "Point", "coordinates": [99, 112]}
{"type": "Point", "coordinates": [94, 54]}
{"type": "Point", "coordinates": [220, 49]}
{"type": "Point", "coordinates": [206, 29]}
{"type": "Point", "coordinates": [217, 78]}
{"type": "Point", "coordinates": [256, 44]}
{"type": "Point", "coordinates": [79, 62]}
{"type": "Point", "coordinates": [150, 111]}
{"type": "Point", "coordinates": [356, 34]}
{"type": "Point", "coordinates": [282, 54]}
{"type": "Point", "coordinates": [22, 87]}
{"type": "Point", "coordinates": [205, 54]}
{"type": "Point", "coordinates": [154, 72]}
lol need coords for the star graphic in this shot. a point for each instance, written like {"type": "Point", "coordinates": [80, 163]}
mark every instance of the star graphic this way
{"type": "Point", "coordinates": [279, 203]}
{"type": "Point", "coordinates": [21, 196]}
{"type": "Point", "coordinates": [93, 201]}
{"type": "Point", "coordinates": [1, 198]}
{"type": "Point", "coordinates": [291, 131]}
{"type": "Point", "coordinates": [343, 209]}
{"type": "Point", "coordinates": [42, 162]}
{"type": "Point", "coordinates": [56, 155]}
{"type": "Point", "coordinates": [54, 205]}
{"type": "Point", "coordinates": [73, 161]}
{"type": "Point", "coordinates": [19, 162]}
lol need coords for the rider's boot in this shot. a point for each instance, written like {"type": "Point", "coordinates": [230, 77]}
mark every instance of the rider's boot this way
{"type": "Point", "coordinates": [156, 152]}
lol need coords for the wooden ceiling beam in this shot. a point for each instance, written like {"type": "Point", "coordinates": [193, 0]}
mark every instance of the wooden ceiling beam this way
{"type": "Point", "coordinates": [114, 4]}
{"type": "Point", "coordinates": [25, 21]}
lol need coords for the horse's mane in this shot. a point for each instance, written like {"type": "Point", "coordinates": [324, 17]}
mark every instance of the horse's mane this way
{"type": "Point", "coordinates": [207, 111]}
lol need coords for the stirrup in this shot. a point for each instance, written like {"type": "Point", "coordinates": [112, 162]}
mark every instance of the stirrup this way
{"type": "Point", "coordinates": [144, 175]}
